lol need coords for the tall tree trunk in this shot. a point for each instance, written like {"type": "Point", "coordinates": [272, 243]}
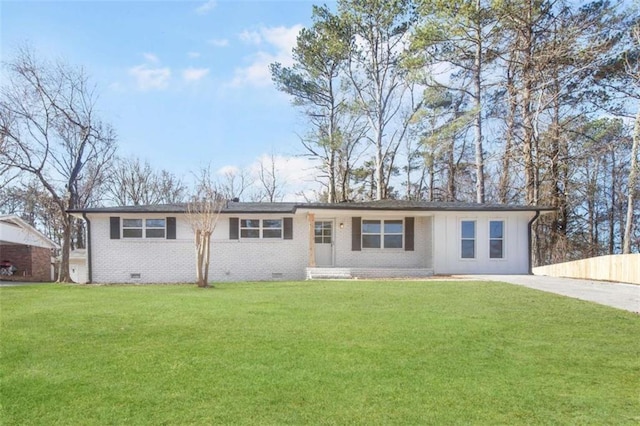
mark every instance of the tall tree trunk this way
{"type": "Point", "coordinates": [477, 82]}
{"type": "Point", "coordinates": [379, 173]}
{"type": "Point", "coordinates": [503, 187]}
{"type": "Point", "coordinates": [451, 175]}
{"type": "Point", "coordinates": [206, 258]}
{"type": "Point", "coordinates": [558, 200]}
{"type": "Point", "coordinates": [611, 213]}
{"type": "Point", "coordinates": [632, 184]}
{"type": "Point", "coordinates": [63, 271]}
{"type": "Point", "coordinates": [527, 101]}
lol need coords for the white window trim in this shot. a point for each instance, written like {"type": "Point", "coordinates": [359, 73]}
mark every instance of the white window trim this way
{"type": "Point", "coordinates": [475, 240]}
{"type": "Point", "coordinates": [260, 229]}
{"type": "Point", "coordinates": [143, 228]}
{"type": "Point", "coordinates": [382, 234]}
{"type": "Point", "coordinates": [504, 239]}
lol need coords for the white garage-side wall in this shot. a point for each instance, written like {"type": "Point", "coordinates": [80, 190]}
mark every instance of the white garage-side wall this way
{"type": "Point", "coordinates": [132, 260]}
{"type": "Point", "coordinates": [447, 243]}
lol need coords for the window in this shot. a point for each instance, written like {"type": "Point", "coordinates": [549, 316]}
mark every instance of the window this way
{"type": "Point", "coordinates": [250, 228]}
{"type": "Point", "coordinates": [149, 228]}
{"type": "Point", "coordinates": [272, 228]}
{"type": "Point", "coordinates": [382, 233]}
{"type": "Point", "coordinates": [265, 228]}
{"type": "Point", "coordinates": [131, 228]}
{"type": "Point", "coordinates": [496, 239]}
{"type": "Point", "coordinates": [468, 239]}
{"type": "Point", "coordinates": [392, 234]}
{"type": "Point", "coordinates": [154, 228]}
{"type": "Point", "coordinates": [322, 232]}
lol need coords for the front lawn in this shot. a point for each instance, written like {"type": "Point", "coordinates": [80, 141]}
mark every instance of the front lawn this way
{"type": "Point", "coordinates": [355, 352]}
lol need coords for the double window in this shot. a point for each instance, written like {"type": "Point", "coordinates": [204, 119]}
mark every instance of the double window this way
{"type": "Point", "coordinates": [260, 228]}
{"type": "Point", "coordinates": [468, 237]}
{"type": "Point", "coordinates": [143, 228]}
{"type": "Point", "coordinates": [386, 234]}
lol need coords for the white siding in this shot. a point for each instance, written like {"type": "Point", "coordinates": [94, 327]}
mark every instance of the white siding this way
{"type": "Point", "coordinates": [446, 234]}
{"type": "Point", "coordinates": [173, 261]}
{"type": "Point", "coordinates": [383, 258]}
{"type": "Point", "coordinates": [259, 259]}
{"type": "Point", "coordinates": [436, 246]}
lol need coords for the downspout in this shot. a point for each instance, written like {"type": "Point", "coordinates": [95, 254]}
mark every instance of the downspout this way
{"type": "Point", "coordinates": [86, 219]}
{"type": "Point", "coordinates": [530, 239]}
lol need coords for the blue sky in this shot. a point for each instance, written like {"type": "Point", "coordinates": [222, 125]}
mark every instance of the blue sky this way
{"type": "Point", "coordinates": [184, 84]}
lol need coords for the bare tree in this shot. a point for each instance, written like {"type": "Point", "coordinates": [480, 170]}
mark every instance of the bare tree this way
{"type": "Point", "coordinates": [380, 33]}
{"type": "Point", "coordinates": [271, 186]}
{"type": "Point", "coordinates": [49, 129]}
{"type": "Point", "coordinates": [203, 212]}
{"type": "Point", "coordinates": [133, 182]}
{"type": "Point", "coordinates": [234, 182]}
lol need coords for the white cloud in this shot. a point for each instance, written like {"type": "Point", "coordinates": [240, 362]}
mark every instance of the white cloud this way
{"type": "Point", "coordinates": [277, 43]}
{"type": "Point", "coordinates": [150, 57]}
{"type": "Point", "coordinates": [228, 170]}
{"type": "Point", "coordinates": [148, 78]}
{"type": "Point", "coordinates": [219, 42]}
{"type": "Point", "coordinates": [193, 54]}
{"type": "Point", "coordinates": [194, 74]}
{"type": "Point", "coordinates": [250, 37]}
{"type": "Point", "coordinates": [206, 7]}
{"type": "Point", "coordinates": [282, 37]}
{"type": "Point", "coordinates": [294, 175]}
{"type": "Point", "coordinates": [257, 73]}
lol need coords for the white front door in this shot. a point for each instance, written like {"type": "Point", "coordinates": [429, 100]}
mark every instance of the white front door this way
{"type": "Point", "coordinates": [323, 234]}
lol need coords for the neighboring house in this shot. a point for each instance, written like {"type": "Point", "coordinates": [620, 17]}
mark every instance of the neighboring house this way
{"type": "Point", "coordinates": [25, 251]}
{"type": "Point", "coordinates": [293, 241]}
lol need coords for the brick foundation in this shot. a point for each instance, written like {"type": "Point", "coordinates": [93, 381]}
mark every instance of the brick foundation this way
{"type": "Point", "coordinates": [33, 263]}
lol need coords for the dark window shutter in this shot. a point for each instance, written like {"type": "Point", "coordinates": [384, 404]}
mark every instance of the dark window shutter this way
{"type": "Point", "coordinates": [356, 234]}
{"type": "Point", "coordinates": [408, 233]}
{"type": "Point", "coordinates": [234, 227]}
{"type": "Point", "coordinates": [287, 228]}
{"type": "Point", "coordinates": [171, 228]}
{"type": "Point", "coordinates": [114, 224]}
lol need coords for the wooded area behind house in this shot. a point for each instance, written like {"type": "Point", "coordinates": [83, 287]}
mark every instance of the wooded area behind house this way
{"type": "Point", "coordinates": [518, 102]}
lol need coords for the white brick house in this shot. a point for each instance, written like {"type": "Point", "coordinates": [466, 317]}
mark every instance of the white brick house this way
{"type": "Point", "coordinates": [293, 241]}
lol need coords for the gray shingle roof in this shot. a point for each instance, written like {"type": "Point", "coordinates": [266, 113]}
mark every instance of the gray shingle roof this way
{"type": "Point", "coordinates": [388, 205]}
{"type": "Point", "coordinates": [421, 205]}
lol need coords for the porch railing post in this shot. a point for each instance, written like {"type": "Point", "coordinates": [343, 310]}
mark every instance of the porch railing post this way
{"type": "Point", "coordinates": [312, 246]}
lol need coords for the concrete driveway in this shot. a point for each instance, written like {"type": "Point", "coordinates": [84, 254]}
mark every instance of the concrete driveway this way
{"type": "Point", "coordinates": [618, 295]}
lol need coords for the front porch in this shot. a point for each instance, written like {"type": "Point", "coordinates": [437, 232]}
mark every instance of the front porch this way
{"type": "Point", "coordinates": [325, 273]}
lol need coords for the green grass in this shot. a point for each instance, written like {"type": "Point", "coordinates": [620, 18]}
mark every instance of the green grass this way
{"type": "Point", "coordinates": [359, 352]}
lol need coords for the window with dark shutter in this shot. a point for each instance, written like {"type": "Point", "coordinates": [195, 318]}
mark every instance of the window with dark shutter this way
{"type": "Point", "coordinates": [409, 233]}
{"type": "Point", "coordinates": [356, 234]}
{"type": "Point", "coordinates": [171, 228]}
{"type": "Point", "coordinates": [288, 228]}
{"type": "Point", "coordinates": [234, 226]}
{"type": "Point", "coordinates": [114, 225]}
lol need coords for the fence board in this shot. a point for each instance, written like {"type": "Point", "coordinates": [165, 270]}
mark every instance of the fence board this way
{"type": "Point", "coordinates": [620, 268]}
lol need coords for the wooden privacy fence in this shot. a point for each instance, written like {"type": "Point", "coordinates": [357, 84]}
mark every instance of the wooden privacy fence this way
{"type": "Point", "coordinates": [619, 267]}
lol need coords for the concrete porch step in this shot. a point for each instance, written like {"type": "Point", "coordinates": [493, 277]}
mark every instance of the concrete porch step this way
{"type": "Point", "coordinates": [329, 274]}
{"type": "Point", "coordinates": [317, 273]}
